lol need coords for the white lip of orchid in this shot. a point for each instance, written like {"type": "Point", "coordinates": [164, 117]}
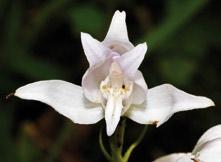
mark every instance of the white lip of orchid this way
{"type": "Point", "coordinates": [115, 90]}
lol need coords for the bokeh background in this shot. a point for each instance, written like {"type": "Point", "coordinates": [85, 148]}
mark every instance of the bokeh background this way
{"type": "Point", "coordinates": [40, 39]}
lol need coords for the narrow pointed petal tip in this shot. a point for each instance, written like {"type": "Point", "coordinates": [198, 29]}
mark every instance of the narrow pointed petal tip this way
{"type": "Point", "coordinates": [109, 131]}
{"type": "Point", "coordinates": [94, 50]}
{"type": "Point", "coordinates": [112, 114]}
{"type": "Point", "coordinates": [131, 60]}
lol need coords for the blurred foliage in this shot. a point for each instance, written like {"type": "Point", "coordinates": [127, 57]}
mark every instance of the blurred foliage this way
{"type": "Point", "coordinates": [87, 13]}
{"type": "Point", "coordinates": [41, 40]}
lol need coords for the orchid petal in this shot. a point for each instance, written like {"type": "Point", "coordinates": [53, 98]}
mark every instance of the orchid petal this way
{"type": "Point", "coordinates": [117, 37]}
{"type": "Point", "coordinates": [210, 152]}
{"type": "Point", "coordinates": [112, 113]}
{"type": "Point", "coordinates": [64, 97]}
{"type": "Point", "coordinates": [92, 78]}
{"type": "Point", "coordinates": [176, 157]}
{"type": "Point", "coordinates": [210, 135]}
{"type": "Point", "coordinates": [131, 60]}
{"type": "Point", "coordinates": [139, 93]}
{"type": "Point", "coordinates": [139, 80]}
{"type": "Point", "coordinates": [94, 50]}
{"type": "Point", "coordinates": [118, 27]}
{"type": "Point", "coordinates": [162, 102]}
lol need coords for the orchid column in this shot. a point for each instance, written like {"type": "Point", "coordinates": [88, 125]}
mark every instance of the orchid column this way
{"type": "Point", "coordinates": [113, 87]}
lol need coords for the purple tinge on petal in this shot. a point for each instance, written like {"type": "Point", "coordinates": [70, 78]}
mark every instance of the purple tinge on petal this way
{"type": "Point", "coordinates": [131, 60]}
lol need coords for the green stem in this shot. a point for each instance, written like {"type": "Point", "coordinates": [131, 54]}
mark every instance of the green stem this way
{"type": "Point", "coordinates": [116, 142]}
{"type": "Point", "coordinates": [104, 151]}
{"type": "Point", "coordinates": [120, 135]}
{"type": "Point", "coordinates": [134, 145]}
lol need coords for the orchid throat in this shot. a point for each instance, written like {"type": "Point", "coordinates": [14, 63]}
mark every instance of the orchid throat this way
{"type": "Point", "coordinates": [115, 90]}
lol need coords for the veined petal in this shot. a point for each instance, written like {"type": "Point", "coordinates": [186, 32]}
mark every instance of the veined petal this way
{"type": "Point", "coordinates": [131, 60]}
{"type": "Point", "coordinates": [210, 135]}
{"type": "Point", "coordinates": [64, 97]}
{"type": "Point", "coordinates": [94, 50]}
{"type": "Point", "coordinates": [210, 152]}
{"type": "Point", "coordinates": [112, 113]}
{"type": "Point", "coordinates": [176, 157]}
{"type": "Point", "coordinates": [162, 102]}
{"type": "Point", "coordinates": [117, 36]}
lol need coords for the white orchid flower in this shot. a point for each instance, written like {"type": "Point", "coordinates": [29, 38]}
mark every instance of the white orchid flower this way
{"type": "Point", "coordinates": [207, 149]}
{"type": "Point", "coordinates": [112, 86]}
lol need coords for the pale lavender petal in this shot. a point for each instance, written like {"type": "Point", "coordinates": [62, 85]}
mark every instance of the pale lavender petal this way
{"type": "Point", "coordinates": [162, 102]}
{"type": "Point", "coordinates": [131, 60]}
{"type": "Point", "coordinates": [92, 79]}
{"type": "Point", "coordinates": [94, 50]}
{"type": "Point", "coordinates": [64, 97]}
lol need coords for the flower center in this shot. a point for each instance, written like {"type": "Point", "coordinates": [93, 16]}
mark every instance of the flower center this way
{"type": "Point", "coordinates": [116, 87]}
{"type": "Point", "coordinates": [116, 91]}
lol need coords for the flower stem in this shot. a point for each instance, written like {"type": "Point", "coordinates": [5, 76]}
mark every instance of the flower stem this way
{"type": "Point", "coordinates": [134, 145]}
{"type": "Point", "coordinates": [116, 142]}
{"type": "Point", "coordinates": [103, 149]}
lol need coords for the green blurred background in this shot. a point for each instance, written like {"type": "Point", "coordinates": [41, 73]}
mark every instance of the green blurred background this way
{"type": "Point", "coordinates": [40, 39]}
